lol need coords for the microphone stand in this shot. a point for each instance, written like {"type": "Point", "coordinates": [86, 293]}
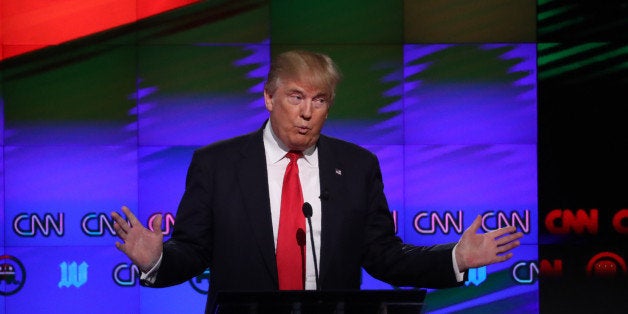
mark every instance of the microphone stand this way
{"type": "Point", "coordinates": [307, 212]}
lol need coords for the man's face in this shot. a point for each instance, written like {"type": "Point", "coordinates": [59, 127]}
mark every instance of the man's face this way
{"type": "Point", "coordinates": [297, 113]}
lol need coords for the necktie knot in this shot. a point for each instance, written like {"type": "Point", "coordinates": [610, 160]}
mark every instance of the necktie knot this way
{"type": "Point", "coordinates": [294, 155]}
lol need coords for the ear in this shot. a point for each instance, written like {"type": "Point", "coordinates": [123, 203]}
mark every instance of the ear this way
{"type": "Point", "coordinates": [268, 100]}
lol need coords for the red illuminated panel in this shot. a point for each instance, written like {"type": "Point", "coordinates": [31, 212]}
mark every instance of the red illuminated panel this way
{"type": "Point", "coordinates": [146, 8]}
{"type": "Point", "coordinates": [31, 24]}
{"type": "Point", "coordinates": [1, 21]}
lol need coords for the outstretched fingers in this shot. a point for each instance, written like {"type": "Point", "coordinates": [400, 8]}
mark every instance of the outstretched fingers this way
{"type": "Point", "coordinates": [502, 258]}
{"type": "Point", "coordinates": [141, 245]}
{"type": "Point", "coordinates": [505, 242]}
{"type": "Point", "coordinates": [123, 226]}
{"type": "Point", "coordinates": [120, 246]}
{"type": "Point", "coordinates": [157, 224]}
{"type": "Point", "coordinates": [120, 225]}
{"type": "Point", "coordinates": [496, 234]}
{"type": "Point", "coordinates": [507, 246]}
{"type": "Point", "coordinates": [133, 221]}
{"type": "Point", "coordinates": [511, 238]}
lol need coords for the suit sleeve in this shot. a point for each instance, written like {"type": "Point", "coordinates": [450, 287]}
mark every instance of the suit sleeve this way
{"type": "Point", "coordinates": [187, 253]}
{"type": "Point", "coordinates": [388, 259]}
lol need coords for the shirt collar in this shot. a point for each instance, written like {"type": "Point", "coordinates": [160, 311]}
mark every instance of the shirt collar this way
{"type": "Point", "coordinates": [276, 150]}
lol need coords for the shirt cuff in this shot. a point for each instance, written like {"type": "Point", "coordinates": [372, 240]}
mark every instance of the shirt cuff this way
{"type": "Point", "coordinates": [459, 275]}
{"type": "Point", "coordinates": [148, 278]}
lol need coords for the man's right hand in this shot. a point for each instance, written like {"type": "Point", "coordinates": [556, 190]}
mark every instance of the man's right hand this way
{"type": "Point", "coordinates": [141, 245]}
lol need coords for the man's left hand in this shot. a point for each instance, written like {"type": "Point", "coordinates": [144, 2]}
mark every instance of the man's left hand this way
{"type": "Point", "coordinates": [477, 250]}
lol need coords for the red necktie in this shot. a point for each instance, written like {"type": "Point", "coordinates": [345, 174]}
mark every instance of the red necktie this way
{"type": "Point", "coordinates": [291, 237]}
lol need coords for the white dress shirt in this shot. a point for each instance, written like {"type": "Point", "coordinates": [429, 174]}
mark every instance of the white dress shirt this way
{"type": "Point", "coordinates": [276, 163]}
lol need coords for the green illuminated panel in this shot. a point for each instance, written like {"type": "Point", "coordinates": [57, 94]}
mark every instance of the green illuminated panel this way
{"type": "Point", "coordinates": [336, 22]}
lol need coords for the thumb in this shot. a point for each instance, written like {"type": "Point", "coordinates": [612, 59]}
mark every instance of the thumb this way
{"type": "Point", "coordinates": [475, 226]}
{"type": "Point", "coordinates": [157, 223]}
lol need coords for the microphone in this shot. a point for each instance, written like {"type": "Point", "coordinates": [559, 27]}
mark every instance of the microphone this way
{"type": "Point", "coordinates": [307, 212]}
{"type": "Point", "coordinates": [324, 196]}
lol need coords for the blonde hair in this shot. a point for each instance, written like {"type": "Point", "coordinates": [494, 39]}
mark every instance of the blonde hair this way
{"type": "Point", "coordinates": [312, 68]}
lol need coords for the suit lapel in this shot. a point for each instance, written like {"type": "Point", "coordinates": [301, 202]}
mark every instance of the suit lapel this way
{"type": "Point", "coordinates": [331, 181]}
{"type": "Point", "coordinates": [253, 180]}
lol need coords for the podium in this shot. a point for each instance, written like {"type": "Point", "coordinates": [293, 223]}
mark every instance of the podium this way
{"type": "Point", "coordinates": [321, 302]}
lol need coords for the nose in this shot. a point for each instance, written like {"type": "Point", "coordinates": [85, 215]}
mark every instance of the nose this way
{"type": "Point", "coordinates": [306, 109]}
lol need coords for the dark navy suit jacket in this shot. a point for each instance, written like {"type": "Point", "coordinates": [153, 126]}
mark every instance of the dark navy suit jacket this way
{"type": "Point", "coordinates": [224, 222]}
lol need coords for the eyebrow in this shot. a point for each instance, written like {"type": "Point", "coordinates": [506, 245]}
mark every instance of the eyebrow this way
{"type": "Point", "coordinates": [295, 90]}
{"type": "Point", "coordinates": [302, 92]}
{"type": "Point", "coordinates": [323, 95]}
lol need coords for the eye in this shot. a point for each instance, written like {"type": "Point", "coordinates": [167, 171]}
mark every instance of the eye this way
{"type": "Point", "coordinates": [295, 99]}
{"type": "Point", "coordinates": [319, 102]}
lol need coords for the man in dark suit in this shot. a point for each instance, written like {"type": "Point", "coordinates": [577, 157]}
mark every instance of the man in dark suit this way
{"type": "Point", "coordinates": [229, 216]}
